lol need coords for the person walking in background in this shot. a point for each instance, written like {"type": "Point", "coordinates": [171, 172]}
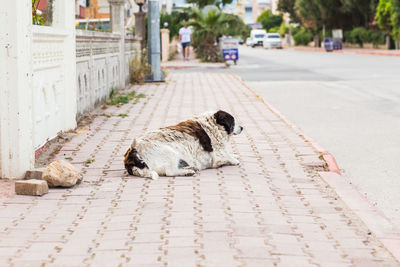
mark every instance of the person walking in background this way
{"type": "Point", "coordinates": [185, 36]}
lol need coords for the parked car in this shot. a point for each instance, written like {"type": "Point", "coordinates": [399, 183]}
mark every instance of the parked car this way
{"type": "Point", "coordinates": [272, 40]}
{"type": "Point", "coordinates": [248, 41]}
{"type": "Point", "coordinates": [240, 40]}
{"type": "Point", "coordinates": [256, 38]}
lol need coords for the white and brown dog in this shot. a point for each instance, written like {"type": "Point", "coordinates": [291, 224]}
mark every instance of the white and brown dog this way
{"type": "Point", "coordinates": [184, 148]}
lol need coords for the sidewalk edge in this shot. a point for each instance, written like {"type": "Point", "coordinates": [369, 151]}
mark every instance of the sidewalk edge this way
{"type": "Point", "coordinates": [327, 156]}
{"type": "Point", "coordinates": [384, 230]}
{"type": "Point", "coordinates": [373, 218]}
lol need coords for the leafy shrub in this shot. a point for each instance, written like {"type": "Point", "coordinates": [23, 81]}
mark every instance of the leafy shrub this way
{"type": "Point", "coordinates": [359, 36]}
{"type": "Point", "coordinates": [269, 20]}
{"type": "Point", "coordinates": [283, 29]}
{"type": "Point", "coordinates": [302, 37]}
{"type": "Point", "coordinates": [376, 37]}
{"type": "Point", "coordinates": [347, 36]}
{"type": "Point", "coordinates": [234, 26]}
{"type": "Point", "coordinates": [41, 17]}
{"type": "Point", "coordinates": [274, 29]}
{"type": "Point", "coordinates": [295, 30]}
{"type": "Point", "coordinates": [207, 28]}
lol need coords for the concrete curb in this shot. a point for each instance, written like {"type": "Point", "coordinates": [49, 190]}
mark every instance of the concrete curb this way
{"type": "Point", "coordinates": [345, 51]}
{"type": "Point", "coordinates": [377, 53]}
{"type": "Point", "coordinates": [374, 219]}
{"type": "Point", "coordinates": [311, 49]}
{"type": "Point", "coordinates": [327, 156]}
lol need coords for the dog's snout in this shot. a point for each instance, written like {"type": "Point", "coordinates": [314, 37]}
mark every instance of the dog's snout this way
{"type": "Point", "coordinates": [238, 129]}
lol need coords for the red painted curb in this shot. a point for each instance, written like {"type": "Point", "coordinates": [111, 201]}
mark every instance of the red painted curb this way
{"type": "Point", "coordinates": [331, 161]}
{"type": "Point", "coordinates": [359, 52]}
{"type": "Point", "coordinates": [327, 156]}
{"type": "Point", "coordinates": [378, 53]}
{"type": "Point", "coordinates": [178, 67]}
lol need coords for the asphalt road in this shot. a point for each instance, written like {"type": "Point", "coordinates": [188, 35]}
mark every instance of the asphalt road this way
{"type": "Point", "coordinates": [349, 104]}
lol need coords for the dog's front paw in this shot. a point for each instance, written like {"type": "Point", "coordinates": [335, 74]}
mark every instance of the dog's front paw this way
{"type": "Point", "coordinates": [154, 175]}
{"type": "Point", "coordinates": [234, 161]}
{"type": "Point", "coordinates": [234, 156]}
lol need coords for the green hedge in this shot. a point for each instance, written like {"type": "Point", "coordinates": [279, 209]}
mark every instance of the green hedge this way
{"type": "Point", "coordinates": [361, 36]}
{"type": "Point", "coordinates": [302, 36]}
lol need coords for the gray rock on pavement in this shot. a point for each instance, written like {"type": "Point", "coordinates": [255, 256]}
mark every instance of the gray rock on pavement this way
{"type": "Point", "coordinates": [31, 187]}
{"type": "Point", "coordinates": [61, 173]}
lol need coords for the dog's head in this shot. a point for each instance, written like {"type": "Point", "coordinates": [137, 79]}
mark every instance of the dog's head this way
{"type": "Point", "coordinates": [132, 159]}
{"type": "Point", "coordinates": [228, 122]}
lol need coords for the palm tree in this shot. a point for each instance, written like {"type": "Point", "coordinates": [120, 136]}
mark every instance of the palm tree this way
{"type": "Point", "coordinates": [207, 28]}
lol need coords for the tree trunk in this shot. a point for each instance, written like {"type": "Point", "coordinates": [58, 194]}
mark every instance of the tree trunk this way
{"type": "Point", "coordinates": [387, 41]}
{"type": "Point", "coordinates": [316, 40]}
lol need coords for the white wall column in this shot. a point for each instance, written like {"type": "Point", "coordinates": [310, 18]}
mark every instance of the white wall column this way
{"type": "Point", "coordinates": [64, 19]}
{"type": "Point", "coordinates": [16, 148]}
{"type": "Point", "coordinates": [117, 25]}
{"type": "Point", "coordinates": [164, 45]}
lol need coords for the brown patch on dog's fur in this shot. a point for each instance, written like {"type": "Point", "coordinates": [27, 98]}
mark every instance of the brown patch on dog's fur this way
{"type": "Point", "coordinates": [194, 129]}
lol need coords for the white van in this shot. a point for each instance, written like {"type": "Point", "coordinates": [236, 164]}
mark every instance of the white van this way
{"type": "Point", "coordinates": [256, 38]}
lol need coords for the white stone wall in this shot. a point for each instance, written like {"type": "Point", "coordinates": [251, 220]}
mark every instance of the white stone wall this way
{"type": "Point", "coordinates": [51, 75]}
{"type": "Point", "coordinates": [39, 97]}
{"type": "Point", "coordinates": [16, 149]}
{"type": "Point", "coordinates": [98, 66]}
{"type": "Point", "coordinates": [50, 95]}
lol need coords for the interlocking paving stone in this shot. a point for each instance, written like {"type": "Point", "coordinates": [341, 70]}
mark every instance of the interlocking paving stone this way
{"type": "Point", "coordinates": [271, 210]}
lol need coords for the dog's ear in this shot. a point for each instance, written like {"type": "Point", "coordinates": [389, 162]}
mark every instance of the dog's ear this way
{"type": "Point", "coordinates": [133, 145]}
{"type": "Point", "coordinates": [226, 120]}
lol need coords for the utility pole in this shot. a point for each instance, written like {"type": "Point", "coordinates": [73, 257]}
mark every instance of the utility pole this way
{"type": "Point", "coordinates": [153, 42]}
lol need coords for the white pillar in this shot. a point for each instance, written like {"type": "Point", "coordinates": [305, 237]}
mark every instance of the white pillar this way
{"type": "Point", "coordinates": [64, 18]}
{"type": "Point", "coordinates": [117, 25]}
{"type": "Point", "coordinates": [16, 147]}
{"type": "Point", "coordinates": [164, 45]}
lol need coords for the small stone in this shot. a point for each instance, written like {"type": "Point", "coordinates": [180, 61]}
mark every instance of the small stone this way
{"type": "Point", "coordinates": [31, 187]}
{"type": "Point", "coordinates": [61, 173]}
{"type": "Point", "coordinates": [34, 174]}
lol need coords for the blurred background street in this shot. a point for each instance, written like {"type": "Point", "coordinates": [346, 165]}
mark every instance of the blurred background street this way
{"type": "Point", "coordinates": [348, 103]}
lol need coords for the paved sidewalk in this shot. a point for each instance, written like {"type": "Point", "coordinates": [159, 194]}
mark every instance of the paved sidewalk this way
{"type": "Point", "coordinates": [272, 210]}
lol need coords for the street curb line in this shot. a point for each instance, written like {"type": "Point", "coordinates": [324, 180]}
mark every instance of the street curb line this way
{"type": "Point", "coordinates": [377, 53]}
{"type": "Point", "coordinates": [327, 156]}
{"type": "Point", "coordinates": [305, 49]}
{"type": "Point", "coordinates": [372, 217]}
{"type": "Point", "coordinates": [384, 230]}
{"type": "Point", "coordinates": [373, 53]}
